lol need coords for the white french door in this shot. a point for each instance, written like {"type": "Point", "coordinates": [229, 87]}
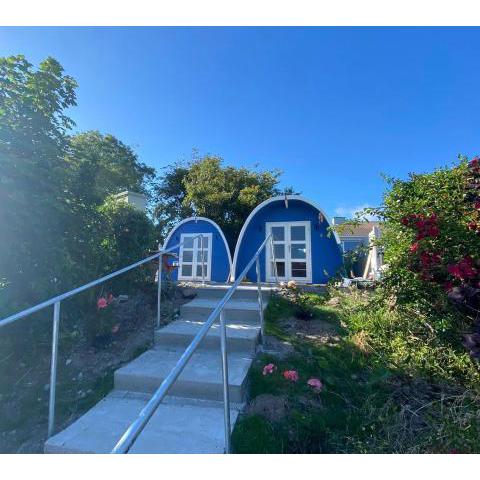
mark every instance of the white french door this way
{"type": "Point", "coordinates": [191, 261]}
{"type": "Point", "coordinates": [292, 249]}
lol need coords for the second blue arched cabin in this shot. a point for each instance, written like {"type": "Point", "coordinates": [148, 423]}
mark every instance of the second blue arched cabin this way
{"type": "Point", "coordinates": [216, 264]}
{"type": "Point", "coordinates": [305, 250]}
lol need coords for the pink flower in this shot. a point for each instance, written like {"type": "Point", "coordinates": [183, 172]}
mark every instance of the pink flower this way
{"type": "Point", "coordinates": [316, 384]}
{"type": "Point", "coordinates": [269, 369]}
{"type": "Point", "coordinates": [414, 247]}
{"type": "Point", "coordinates": [291, 375]}
{"type": "Point", "coordinates": [102, 303]}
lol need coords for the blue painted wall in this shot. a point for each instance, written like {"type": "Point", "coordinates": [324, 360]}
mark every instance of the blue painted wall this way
{"type": "Point", "coordinates": [220, 258]}
{"type": "Point", "coordinates": [326, 253]}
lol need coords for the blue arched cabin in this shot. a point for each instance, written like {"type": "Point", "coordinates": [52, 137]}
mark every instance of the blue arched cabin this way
{"type": "Point", "coordinates": [217, 259]}
{"type": "Point", "coordinates": [305, 250]}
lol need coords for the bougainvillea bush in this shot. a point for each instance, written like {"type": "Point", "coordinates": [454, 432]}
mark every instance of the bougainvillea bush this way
{"type": "Point", "coordinates": [431, 241]}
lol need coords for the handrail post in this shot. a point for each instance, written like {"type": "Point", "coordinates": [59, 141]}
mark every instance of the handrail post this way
{"type": "Point", "coordinates": [260, 299]}
{"type": "Point", "coordinates": [53, 368]}
{"type": "Point", "coordinates": [203, 260]}
{"type": "Point", "coordinates": [275, 270]}
{"type": "Point", "coordinates": [226, 394]}
{"type": "Point", "coordinates": [159, 286]}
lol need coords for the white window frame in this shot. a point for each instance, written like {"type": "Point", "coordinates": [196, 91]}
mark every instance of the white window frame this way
{"type": "Point", "coordinates": [196, 248]}
{"type": "Point", "coordinates": [270, 277]}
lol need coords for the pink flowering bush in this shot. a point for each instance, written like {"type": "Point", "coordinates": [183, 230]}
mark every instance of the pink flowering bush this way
{"type": "Point", "coordinates": [431, 242]}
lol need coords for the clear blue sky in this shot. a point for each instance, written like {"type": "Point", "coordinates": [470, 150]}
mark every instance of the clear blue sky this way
{"type": "Point", "coordinates": [332, 107]}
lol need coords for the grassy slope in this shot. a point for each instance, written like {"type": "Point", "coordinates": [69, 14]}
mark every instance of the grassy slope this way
{"type": "Point", "coordinates": [374, 399]}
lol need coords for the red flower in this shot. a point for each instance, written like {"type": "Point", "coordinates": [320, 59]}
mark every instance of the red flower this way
{"type": "Point", "coordinates": [476, 205]}
{"type": "Point", "coordinates": [474, 163]}
{"type": "Point", "coordinates": [447, 286]}
{"type": "Point", "coordinates": [464, 269]}
{"type": "Point", "coordinates": [472, 225]}
{"type": "Point", "coordinates": [291, 375]}
{"type": "Point", "coordinates": [425, 259]}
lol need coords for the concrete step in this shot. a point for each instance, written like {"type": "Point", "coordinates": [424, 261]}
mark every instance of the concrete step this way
{"type": "Point", "coordinates": [235, 310]}
{"type": "Point", "coordinates": [201, 378]}
{"type": "Point", "coordinates": [243, 292]}
{"type": "Point", "coordinates": [178, 426]}
{"type": "Point", "coordinates": [231, 317]}
{"type": "Point", "coordinates": [240, 337]}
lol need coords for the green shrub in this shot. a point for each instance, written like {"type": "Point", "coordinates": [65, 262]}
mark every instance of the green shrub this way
{"type": "Point", "coordinates": [126, 236]}
{"type": "Point", "coordinates": [302, 304]}
{"type": "Point", "coordinates": [431, 242]}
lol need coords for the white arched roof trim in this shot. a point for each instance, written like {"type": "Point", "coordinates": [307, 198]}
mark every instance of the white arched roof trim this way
{"type": "Point", "coordinates": [196, 219]}
{"type": "Point", "coordinates": [263, 204]}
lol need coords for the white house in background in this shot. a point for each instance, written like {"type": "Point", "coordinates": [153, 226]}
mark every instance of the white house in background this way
{"type": "Point", "coordinates": [365, 234]}
{"type": "Point", "coordinates": [355, 236]}
{"type": "Point", "coordinates": [138, 200]}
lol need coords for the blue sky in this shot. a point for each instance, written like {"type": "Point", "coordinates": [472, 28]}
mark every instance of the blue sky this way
{"type": "Point", "coordinates": [332, 107]}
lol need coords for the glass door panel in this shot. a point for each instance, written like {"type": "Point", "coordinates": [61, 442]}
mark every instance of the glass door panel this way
{"type": "Point", "coordinates": [298, 252]}
{"type": "Point", "coordinates": [279, 248]}
{"type": "Point", "coordinates": [291, 245]}
{"type": "Point", "coordinates": [192, 261]}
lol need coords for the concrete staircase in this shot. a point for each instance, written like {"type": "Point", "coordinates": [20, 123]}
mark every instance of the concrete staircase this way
{"type": "Point", "coordinates": [190, 420]}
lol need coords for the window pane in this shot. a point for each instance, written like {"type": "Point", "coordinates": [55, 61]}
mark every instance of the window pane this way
{"type": "Point", "coordinates": [205, 242]}
{"type": "Point", "coordinates": [187, 256]}
{"type": "Point", "coordinates": [278, 234]}
{"type": "Point", "coordinates": [279, 250]}
{"type": "Point", "coordinates": [186, 270]}
{"type": "Point", "coordinates": [280, 269]}
{"type": "Point", "coordinates": [297, 233]}
{"type": "Point", "coordinates": [199, 255]}
{"type": "Point", "coordinates": [299, 269]}
{"type": "Point", "coordinates": [199, 270]}
{"type": "Point", "coordinates": [187, 242]}
{"type": "Point", "coordinates": [299, 250]}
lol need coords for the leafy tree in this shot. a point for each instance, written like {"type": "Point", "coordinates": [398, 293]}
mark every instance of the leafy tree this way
{"type": "Point", "coordinates": [33, 204]}
{"type": "Point", "coordinates": [102, 165]}
{"type": "Point", "coordinates": [52, 187]}
{"type": "Point", "coordinates": [205, 187]}
{"type": "Point", "coordinates": [169, 198]}
{"type": "Point", "coordinates": [98, 166]}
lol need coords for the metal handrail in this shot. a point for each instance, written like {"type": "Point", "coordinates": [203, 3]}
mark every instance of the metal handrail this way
{"type": "Point", "coordinates": [71, 293]}
{"type": "Point", "coordinates": [136, 427]}
{"type": "Point", "coordinates": [56, 301]}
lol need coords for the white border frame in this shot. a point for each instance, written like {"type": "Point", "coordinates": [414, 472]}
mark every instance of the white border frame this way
{"type": "Point", "coordinates": [208, 274]}
{"type": "Point", "coordinates": [263, 204]}
{"type": "Point", "coordinates": [219, 230]}
{"type": "Point", "coordinates": [269, 276]}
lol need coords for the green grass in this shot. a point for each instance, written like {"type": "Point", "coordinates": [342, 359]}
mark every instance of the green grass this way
{"type": "Point", "coordinates": [374, 400]}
